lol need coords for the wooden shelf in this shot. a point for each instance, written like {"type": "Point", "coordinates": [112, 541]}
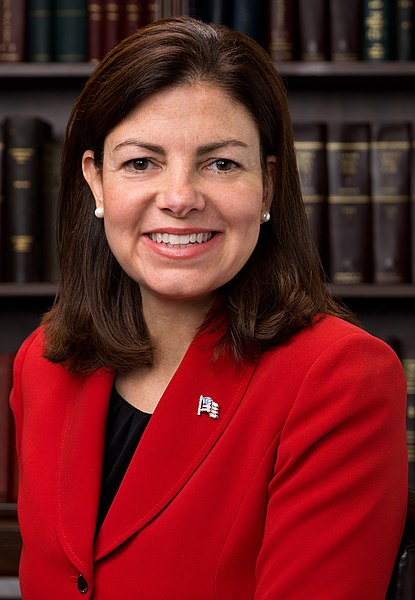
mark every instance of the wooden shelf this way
{"type": "Point", "coordinates": [373, 290]}
{"type": "Point", "coordinates": [17, 290]}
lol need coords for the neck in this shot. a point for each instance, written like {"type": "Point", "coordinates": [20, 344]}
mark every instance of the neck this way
{"type": "Point", "coordinates": [172, 325]}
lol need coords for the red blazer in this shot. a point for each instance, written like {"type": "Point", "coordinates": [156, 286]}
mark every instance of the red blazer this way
{"type": "Point", "coordinates": [297, 491]}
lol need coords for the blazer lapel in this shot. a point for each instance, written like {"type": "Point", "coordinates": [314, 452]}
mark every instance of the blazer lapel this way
{"type": "Point", "coordinates": [79, 478]}
{"type": "Point", "coordinates": [176, 440]}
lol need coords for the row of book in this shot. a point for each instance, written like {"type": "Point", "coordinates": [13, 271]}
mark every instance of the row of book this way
{"type": "Point", "coordinates": [342, 31]}
{"type": "Point", "coordinates": [8, 470]}
{"type": "Point", "coordinates": [358, 183]}
{"type": "Point", "coordinates": [308, 30]}
{"type": "Point", "coordinates": [357, 180]}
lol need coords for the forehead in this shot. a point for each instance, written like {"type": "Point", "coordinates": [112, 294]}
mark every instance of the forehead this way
{"type": "Point", "coordinates": [192, 109]}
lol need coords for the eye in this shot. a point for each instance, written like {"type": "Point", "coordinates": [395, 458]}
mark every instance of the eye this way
{"type": "Point", "coordinates": [223, 165]}
{"type": "Point", "coordinates": [139, 164]}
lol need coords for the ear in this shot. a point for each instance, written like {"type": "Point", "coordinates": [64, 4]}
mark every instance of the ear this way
{"type": "Point", "coordinates": [93, 176]}
{"type": "Point", "coordinates": [269, 182]}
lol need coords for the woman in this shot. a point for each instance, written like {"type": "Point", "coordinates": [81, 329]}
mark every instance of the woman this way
{"type": "Point", "coordinates": [207, 422]}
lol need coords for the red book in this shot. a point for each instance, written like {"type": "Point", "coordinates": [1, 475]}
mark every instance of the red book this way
{"type": "Point", "coordinates": [94, 29]}
{"type": "Point", "coordinates": [12, 30]}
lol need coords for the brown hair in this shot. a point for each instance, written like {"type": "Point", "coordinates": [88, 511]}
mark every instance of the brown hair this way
{"type": "Point", "coordinates": [97, 319]}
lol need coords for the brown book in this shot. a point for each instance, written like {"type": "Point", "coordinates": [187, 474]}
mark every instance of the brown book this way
{"type": "Point", "coordinates": [52, 159]}
{"type": "Point", "coordinates": [25, 137]}
{"type": "Point", "coordinates": [12, 30]}
{"type": "Point", "coordinates": [390, 169]}
{"type": "Point", "coordinates": [94, 30]}
{"type": "Point", "coordinates": [2, 241]}
{"type": "Point", "coordinates": [345, 20]}
{"type": "Point", "coordinates": [313, 23]}
{"type": "Point", "coordinates": [348, 167]}
{"type": "Point", "coordinates": [310, 147]}
{"type": "Point", "coordinates": [412, 184]}
{"type": "Point", "coordinates": [6, 443]}
{"type": "Point", "coordinates": [132, 17]}
{"type": "Point", "coordinates": [282, 17]}
{"type": "Point", "coordinates": [407, 355]}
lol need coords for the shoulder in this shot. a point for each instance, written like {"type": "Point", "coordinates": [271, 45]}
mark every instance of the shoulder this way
{"type": "Point", "coordinates": [333, 343]}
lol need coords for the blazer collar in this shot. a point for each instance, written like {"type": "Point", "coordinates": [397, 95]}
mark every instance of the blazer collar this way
{"type": "Point", "coordinates": [174, 444]}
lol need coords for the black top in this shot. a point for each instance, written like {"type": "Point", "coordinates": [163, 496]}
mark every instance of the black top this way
{"type": "Point", "coordinates": [125, 426]}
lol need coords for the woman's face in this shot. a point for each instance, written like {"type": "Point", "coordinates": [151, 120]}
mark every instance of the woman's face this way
{"type": "Point", "coordinates": [182, 190]}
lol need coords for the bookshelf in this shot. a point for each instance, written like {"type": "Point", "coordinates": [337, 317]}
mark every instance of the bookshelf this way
{"type": "Point", "coordinates": [324, 91]}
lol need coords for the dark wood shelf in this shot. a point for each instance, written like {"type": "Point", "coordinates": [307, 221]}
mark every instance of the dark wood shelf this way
{"type": "Point", "coordinates": [373, 290]}
{"type": "Point", "coordinates": [327, 69]}
{"type": "Point", "coordinates": [18, 290]}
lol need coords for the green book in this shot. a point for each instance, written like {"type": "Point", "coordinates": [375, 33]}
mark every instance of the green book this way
{"type": "Point", "coordinates": [69, 31]}
{"type": "Point", "coordinates": [39, 30]}
{"type": "Point", "coordinates": [376, 36]}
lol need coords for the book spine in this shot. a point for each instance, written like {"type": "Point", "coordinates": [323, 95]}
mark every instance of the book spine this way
{"type": "Point", "coordinates": [412, 186]}
{"type": "Point", "coordinates": [132, 17]}
{"type": "Point", "coordinates": [52, 159]}
{"type": "Point", "coordinates": [282, 19]}
{"type": "Point", "coordinates": [70, 31]}
{"type": "Point", "coordinates": [313, 24]}
{"type": "Point", "coordinates": [12, 30]}
{"type": "Point", "coordinates": [246, 18]}
{"type": "Point", "coordinates": [2, 203]}
{"type": "Point", "coordinates": [407, 355]}
{"type": "Point", "coordinates": [111, 26]}
{"type": "Point", "coordinates": [345, 20]}
{"type": "Point", "coordinates": [404, 30]}
{"type": "Point", "coordinates": [310, 147]}
{"type": "Point", "coordinates": [390, 169]}
{"type": "Point", "coordinates": [6, 443]}
{"type": "Point", "coordinates": [349, 202]}
{"type": "Point", "coordinates": [39, 30]}
{"type": "Point", "coordinates": [24, 138]}
{"type": "Point", "coordinates": [376, 30]}
{"type": "Point", "coordinates": [94, 30]}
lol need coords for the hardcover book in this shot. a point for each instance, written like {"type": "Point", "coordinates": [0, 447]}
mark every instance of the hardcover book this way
{"type": "Point", "coordinates": [12, 30]}
{"type": "Point", "coordinates": [313, 23]}
{"type": "Point", "coordinates": [282, 36]}
{"type": "Point", "coordinates": [376, 30]}
{"type": "Point", "coordinates": [6, 443]}
{"type": "Point", "coordinates": [24, 142]}
{"type": "Point", "coordinates": [70, 31]}
{"type": "Point", "coordinates": [39, 30]}
{"type": "Point", "coordinates": [404, 30]}
{"type": "Point", "coordinates": [390, 167]}
{"type": "Point", "coordinates": [407, 355]}
{"type": "Point", "coordinates": [310, 147]}
{"type": "Point", "coordinates": [345, 20]}
{"type": "Point", "coordinates": [349, 212]}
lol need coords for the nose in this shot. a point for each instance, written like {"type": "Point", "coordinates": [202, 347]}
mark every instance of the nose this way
{"type": "Point", "coordinates": [181, 193]}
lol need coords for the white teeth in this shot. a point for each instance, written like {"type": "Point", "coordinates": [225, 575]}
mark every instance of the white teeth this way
{"type": "Point", "coordinates": [180, 240]}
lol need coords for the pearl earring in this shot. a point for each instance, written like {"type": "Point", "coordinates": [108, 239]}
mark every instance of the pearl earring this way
{"type": "Point", "coordinates": [265, 216]}
{"type": "Point", "coordinates": [99, 212]}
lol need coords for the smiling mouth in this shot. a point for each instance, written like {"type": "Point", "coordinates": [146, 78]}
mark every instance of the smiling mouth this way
{"type": "Point", "coordinates": [181, 241]}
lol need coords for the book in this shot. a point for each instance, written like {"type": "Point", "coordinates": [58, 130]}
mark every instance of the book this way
{"type": "Point", "coordinates": [376, 42]}
{"type": "Point", "coordinates": [24, 141]}
{"type": "Point", "coordinates": [132, 17]}
{"type": "Point", "coordinates": [94, 30]}
{"type": "Point", "coordinates": [282, 17]}
{"type": "Point", "coordinates": [111, 26]}
{"type": "Point", "coordinates": [407, 356]}
{"type": "Point", "coordinates": [246, 18]}
{"type": "Point", "coordinates": [52, 160]}
{"type": "Point", "coordinates": [6, 443]}
{"type": "Point", "coordinates": [349, 215]}
{"type": "Point", "coordinates": [345, 20]}
{"type": "Point", "coordinates": [2, 242]}
{"type": "Point", "coordinates": [412, 205]}
{"type": "Point", "coordinates": [310, 147]}
{"type": "Point", "coordinates": [39, 30]}
{"type": "Point", "coordinates": [313, 25]}
{"type": "Point", "coordinates": [390, 168]}
{"type": "Point", "coordinates": [69, 28]}
{"type": "Point", "coordinates": [12, 30]}
{"type": "Point", "coordinates": [404, 30]}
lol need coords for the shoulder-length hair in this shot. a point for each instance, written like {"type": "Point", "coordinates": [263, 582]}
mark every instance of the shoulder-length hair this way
{"type": "Point", "coordinates": [97, 319]}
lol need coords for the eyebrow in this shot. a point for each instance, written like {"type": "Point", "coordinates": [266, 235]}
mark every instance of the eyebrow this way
{"type": "Point", "coordinates": [204, 149]}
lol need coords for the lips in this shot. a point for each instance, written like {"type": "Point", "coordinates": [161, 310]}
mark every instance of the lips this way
{"type": "Point", "coordinates": [181, 241]}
